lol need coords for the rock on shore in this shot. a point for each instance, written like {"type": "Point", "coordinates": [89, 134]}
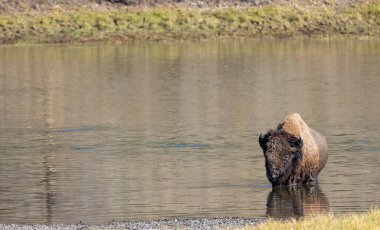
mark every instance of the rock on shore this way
{"type": "Point", "coordinates": [181, 223]}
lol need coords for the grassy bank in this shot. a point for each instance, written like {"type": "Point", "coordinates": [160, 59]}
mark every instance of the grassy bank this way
{"type": "Point", "coordinates": [167, 23]}
{"type": "Point", "coordinates": [369, 220]}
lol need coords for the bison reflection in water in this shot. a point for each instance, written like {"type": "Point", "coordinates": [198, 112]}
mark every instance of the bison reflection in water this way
{"type": "Point", "coordinates": [296, 202]}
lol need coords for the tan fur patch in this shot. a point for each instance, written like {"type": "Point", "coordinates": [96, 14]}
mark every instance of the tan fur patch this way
{"type": "Point", "coordinates": [295, 125]}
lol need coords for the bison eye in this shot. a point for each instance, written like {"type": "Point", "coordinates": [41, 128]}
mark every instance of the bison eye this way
{"type": "Point", "coordinates": [287, 157]}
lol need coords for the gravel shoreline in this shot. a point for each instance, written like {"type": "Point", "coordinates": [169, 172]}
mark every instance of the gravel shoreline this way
{"type": "Point", "coordinates": [180, 223]}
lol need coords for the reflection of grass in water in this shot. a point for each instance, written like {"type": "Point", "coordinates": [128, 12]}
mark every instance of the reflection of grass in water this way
{"type": "Point", "coordinates": [369, 220]}
{"type": "Point", "coordinates": [78, 25]}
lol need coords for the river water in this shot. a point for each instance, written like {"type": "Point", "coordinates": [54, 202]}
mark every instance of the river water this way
{"type": "Point", "coordinates": [95, 133]}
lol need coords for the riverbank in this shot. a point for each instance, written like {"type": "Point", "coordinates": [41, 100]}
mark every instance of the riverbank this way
{"type": "Point", "coordinates": [59, 24]}
{"type": "Point", "coordinates": [181, 223]}
{"type": "Point", "coordinates": [370, 220]}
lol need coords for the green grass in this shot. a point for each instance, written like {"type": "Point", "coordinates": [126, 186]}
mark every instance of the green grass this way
{"type": "Point", "coordinates": [81, 25]}
{"type": "Point", "coordinates": [369, 220]}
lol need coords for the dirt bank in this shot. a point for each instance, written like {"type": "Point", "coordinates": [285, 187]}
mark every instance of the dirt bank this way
{"type": "Point", "coordinates": [22, 5]}
{"type": "Point", "coordinates": [59, 21]}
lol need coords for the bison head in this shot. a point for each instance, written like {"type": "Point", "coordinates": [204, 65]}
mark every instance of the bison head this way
{"type": "Point", "coordinates": [283, 154]}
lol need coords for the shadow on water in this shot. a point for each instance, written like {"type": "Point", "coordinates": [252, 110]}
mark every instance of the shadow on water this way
{"type": "Point", "coordinates": [296, 202]}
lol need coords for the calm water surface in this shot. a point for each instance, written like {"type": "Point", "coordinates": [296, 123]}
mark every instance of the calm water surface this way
{"type": "Point", "coordinates": [149, 131]}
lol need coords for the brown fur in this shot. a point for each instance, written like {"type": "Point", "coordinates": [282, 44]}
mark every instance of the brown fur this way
{"type": "Point", "coordinates": [307, 159]}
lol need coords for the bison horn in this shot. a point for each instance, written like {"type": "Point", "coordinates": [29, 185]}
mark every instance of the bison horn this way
{"type": "Point", "coordinates": [300, 142]}
{"type": "Point", "coordinates": [261, 141]}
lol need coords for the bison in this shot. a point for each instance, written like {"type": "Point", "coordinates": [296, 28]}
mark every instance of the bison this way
{"type": "Point", "coordinates": [294, 152]}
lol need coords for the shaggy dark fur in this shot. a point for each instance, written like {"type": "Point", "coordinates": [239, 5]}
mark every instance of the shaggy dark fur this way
{"type": "Point", "coordinates": [283, 156]}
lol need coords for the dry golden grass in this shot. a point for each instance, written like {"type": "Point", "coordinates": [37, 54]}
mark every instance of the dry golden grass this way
{"type": "Point", "coordinates": [370, 220]}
